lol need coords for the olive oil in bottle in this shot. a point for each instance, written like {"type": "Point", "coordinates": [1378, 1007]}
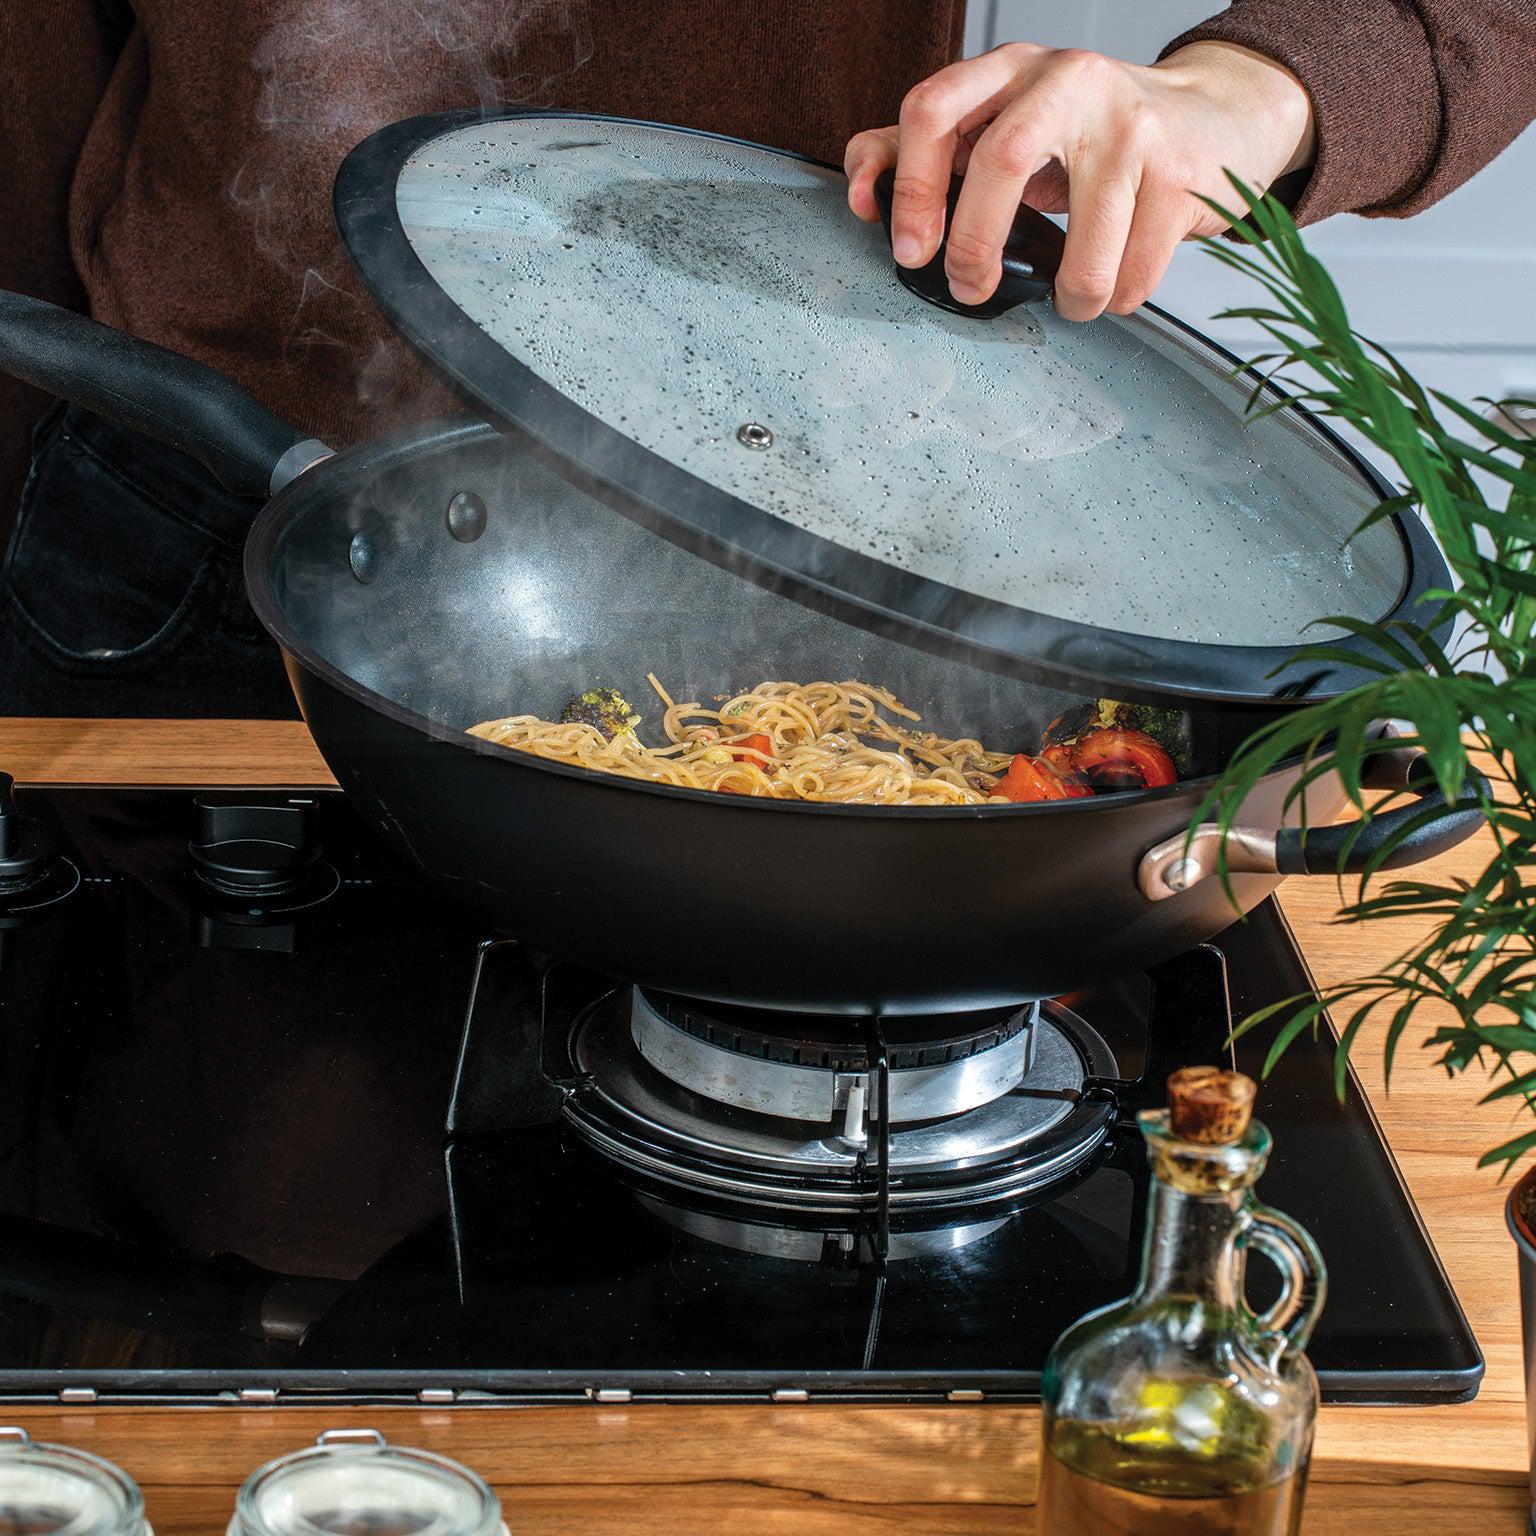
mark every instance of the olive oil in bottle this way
{"type": "Point", "coordinates": [1089, 1489]}
{"type": "Point", "coordinates": [1180, 1411]}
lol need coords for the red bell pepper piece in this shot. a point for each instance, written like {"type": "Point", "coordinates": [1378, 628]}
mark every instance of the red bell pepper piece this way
{"type": "Point", "coordinates": [1032, 779]}
{"type": "Point", "coordinates": [1115, 759]}
{"type": "Point", "coordinates": [762, 743]}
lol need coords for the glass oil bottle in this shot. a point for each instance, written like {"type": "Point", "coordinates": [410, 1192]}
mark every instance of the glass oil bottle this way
{"type": "Point", "coordinates": [1180, 1411]}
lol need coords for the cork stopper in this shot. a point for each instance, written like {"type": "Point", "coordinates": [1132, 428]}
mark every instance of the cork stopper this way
{"type": "Point", "coordinates": [1209, 1106]}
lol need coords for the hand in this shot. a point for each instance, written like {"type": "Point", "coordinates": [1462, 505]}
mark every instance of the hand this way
{"type": "Point", "coordinates": [1120, 148]}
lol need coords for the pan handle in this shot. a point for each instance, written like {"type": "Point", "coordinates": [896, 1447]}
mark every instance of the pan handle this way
{"type": "Point", "coordinates": [1172, 867]}
{"type": "Point", "coordinates": [160, 393]}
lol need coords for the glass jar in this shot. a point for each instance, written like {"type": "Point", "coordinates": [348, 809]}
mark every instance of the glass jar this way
{"type": "Point", "coordinates": [352, 1482]}
{"type": "Point", "coordinates": [1180, 1410]}
{"type": "Point", "coordinates": [47, 1489]}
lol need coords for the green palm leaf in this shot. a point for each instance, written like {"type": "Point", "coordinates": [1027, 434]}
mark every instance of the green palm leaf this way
{"type": "Point", "coordinates": [1476, 963]}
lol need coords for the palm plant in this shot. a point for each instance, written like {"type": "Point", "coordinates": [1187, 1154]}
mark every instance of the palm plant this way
{"type": "Point", "coordinates": [1471, 698]}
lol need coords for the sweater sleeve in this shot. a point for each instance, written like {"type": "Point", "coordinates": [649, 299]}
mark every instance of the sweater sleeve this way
{"type": "Point", "coordinates": [1410, 97]}
{"type": "Point", "coordinates": [55, 59]}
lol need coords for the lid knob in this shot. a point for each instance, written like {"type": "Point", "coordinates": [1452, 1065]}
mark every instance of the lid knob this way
{"type": "Point", "coordinates": [1210, 1106]}
{"type": "Point", "coordinates": [1031, 256]}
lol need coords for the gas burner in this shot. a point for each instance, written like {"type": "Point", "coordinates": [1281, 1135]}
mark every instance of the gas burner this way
{"type": "Point", "coordinates": [806, 1067]}
{"type": "Point", "coordinates": [785, 1113]}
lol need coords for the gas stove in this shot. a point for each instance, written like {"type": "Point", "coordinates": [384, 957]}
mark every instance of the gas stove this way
{"type": "Point", "coordinates": [279, 1121]}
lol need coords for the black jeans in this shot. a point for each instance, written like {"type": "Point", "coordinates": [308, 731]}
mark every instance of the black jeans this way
{"type": "Point", "coordinates": [121, 592]}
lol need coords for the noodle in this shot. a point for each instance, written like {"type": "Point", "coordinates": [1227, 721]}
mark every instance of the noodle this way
{"type": "Point", "coordinates": [847, 742]}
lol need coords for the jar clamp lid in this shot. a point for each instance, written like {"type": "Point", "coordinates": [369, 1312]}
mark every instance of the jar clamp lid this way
{"type": "Point", "coordinates": [352, 1481]}
{"type": "Point", "coordinates": [56, 1490]}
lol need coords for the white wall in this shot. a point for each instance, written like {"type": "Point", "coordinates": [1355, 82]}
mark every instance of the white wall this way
{"type": "Point", "coordinates": [1453, 291]}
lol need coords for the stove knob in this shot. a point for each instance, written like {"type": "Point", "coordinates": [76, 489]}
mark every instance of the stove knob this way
{"type": "Point", "coordinates": [255, 849]}
{"type": "Point", "coordinates": [29, 850]}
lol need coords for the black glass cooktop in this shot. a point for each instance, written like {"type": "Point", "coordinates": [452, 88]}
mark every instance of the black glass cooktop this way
{"type": "Point", "coordinates": [224, 1169]}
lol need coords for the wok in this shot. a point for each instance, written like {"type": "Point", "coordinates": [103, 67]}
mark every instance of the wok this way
{"type": "Point", "coordinates": [447, 576]}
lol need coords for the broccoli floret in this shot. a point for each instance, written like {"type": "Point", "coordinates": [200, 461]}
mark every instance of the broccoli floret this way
{"type": "Point", "coordinates": [606, 709]}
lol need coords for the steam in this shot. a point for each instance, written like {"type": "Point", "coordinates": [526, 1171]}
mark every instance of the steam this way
{"type": "Point", "coordinates": [334, 71]}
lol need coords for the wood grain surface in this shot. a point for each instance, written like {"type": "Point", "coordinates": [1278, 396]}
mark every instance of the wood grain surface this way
{"type": "Point", "coordinates": [809, 1469]}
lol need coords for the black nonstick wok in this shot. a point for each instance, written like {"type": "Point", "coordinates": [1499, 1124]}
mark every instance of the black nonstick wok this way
{"type": "Point", "coordinates": [419, 585]}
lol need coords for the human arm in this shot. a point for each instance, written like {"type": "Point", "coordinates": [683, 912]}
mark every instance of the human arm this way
{"type": "Point", "coordinates": [1410, 97]}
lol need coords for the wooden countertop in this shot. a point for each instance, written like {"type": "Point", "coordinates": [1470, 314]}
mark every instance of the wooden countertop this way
{"type": "Point", "coordinates": [808, 1469]}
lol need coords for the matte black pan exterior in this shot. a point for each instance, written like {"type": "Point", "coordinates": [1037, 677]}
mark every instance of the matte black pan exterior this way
{"type": "Point", "coordinates": [739, 902]}
{"type": "Point", "coordinates": [765, 903]}
{"type": "Point", "coordinates": [421, 585]}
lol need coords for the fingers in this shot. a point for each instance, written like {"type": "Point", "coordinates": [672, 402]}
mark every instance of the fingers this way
{"type": "Point", "coordinates": [1101, 206]}
{"type": "Point", "coordinates": [935, 113]}
{"type": "Point", "coordinates": [1113, 145]}
{"type": "Point", "coordinates": [1006, 156]}
{"type": "Point", "coordinates": [1164, 216]}
{"type": "Point", "coordinates": [868, 155]}
{"type": "Point", "coordinates": [1046, 191]}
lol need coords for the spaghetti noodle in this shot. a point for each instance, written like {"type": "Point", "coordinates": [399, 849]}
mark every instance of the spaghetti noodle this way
{"type": "Point", "coordinates": [848, 742]}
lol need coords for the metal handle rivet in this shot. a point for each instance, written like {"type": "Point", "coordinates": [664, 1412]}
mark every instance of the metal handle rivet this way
{"type": "Point", "coordinates": [1182, 874]}
{"type": "Point", "coordinates": [466, 517]}
{"type": "Point", "coordinates": [753, 434]}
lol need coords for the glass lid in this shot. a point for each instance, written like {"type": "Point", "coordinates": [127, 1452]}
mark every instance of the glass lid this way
{"type": "Point", "coordinates": [55, 1490]}
{"type": "Point", "coordinates": [701, 333]}
{"type": "Point", "coordinates": [351, 1482]}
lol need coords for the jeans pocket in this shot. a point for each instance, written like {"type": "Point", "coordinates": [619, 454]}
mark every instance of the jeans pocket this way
{"type": "Point", "coordinates": [101, 569]}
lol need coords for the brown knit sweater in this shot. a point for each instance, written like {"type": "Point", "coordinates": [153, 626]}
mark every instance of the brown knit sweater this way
{"type": "Point", "coordinates": [169, 161]}
{"type": "Point", "coordinates": [175, 157]}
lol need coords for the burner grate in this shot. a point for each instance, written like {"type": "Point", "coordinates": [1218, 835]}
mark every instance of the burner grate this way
{"type": "Point", "coordinates": [1012, 1145]}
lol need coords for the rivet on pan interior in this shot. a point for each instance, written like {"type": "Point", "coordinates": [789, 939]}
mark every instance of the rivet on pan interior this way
{"type": "Point", "coordinates": [363, 558]}
{"type": "Point", "coordinates": [752, 434]}
{"type": "Point", "coordinates": [466, 517]}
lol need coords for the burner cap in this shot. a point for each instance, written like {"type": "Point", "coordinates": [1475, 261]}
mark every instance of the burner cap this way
{"type": "Point", "coordinates": [834, 1042]}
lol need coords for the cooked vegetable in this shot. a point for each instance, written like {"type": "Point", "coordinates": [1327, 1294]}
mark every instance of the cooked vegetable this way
{"type": "Point", "coordinates": [1119, 759]}
{"type": "Point", "coordinates": [1072, 723]}
{"type": "Point", "coordinates": [753, 749]}
{"type": "Point", "coordinates": [1169, 728]}
{"type": "Point", "coordinates": [1059, 756]}
{"type": "Point", "coordinates": [605, 709]}
{"type": "Point", "coordinates": [1032, 778]}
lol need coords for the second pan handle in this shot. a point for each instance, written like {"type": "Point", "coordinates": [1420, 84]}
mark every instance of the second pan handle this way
{"type": "Point", "coordinates": [1422, 830]}
{"type": "Point", "coordinates": [250, 451]}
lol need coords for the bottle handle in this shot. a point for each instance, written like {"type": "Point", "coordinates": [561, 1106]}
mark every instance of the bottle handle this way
{"type": "Point", "coordinates": [1285, 1327]}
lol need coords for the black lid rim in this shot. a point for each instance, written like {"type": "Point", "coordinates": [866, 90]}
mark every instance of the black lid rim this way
{"type": "Point", "coordinates": [649, 489]}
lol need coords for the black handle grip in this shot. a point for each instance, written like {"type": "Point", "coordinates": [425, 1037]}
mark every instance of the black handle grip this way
{"type": "Point", "coordinates": [153, 390]}
{"type": "Point", "coordinates": [1401, 769]}
{"type": "Point", "coordinates": [1030, 258]}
